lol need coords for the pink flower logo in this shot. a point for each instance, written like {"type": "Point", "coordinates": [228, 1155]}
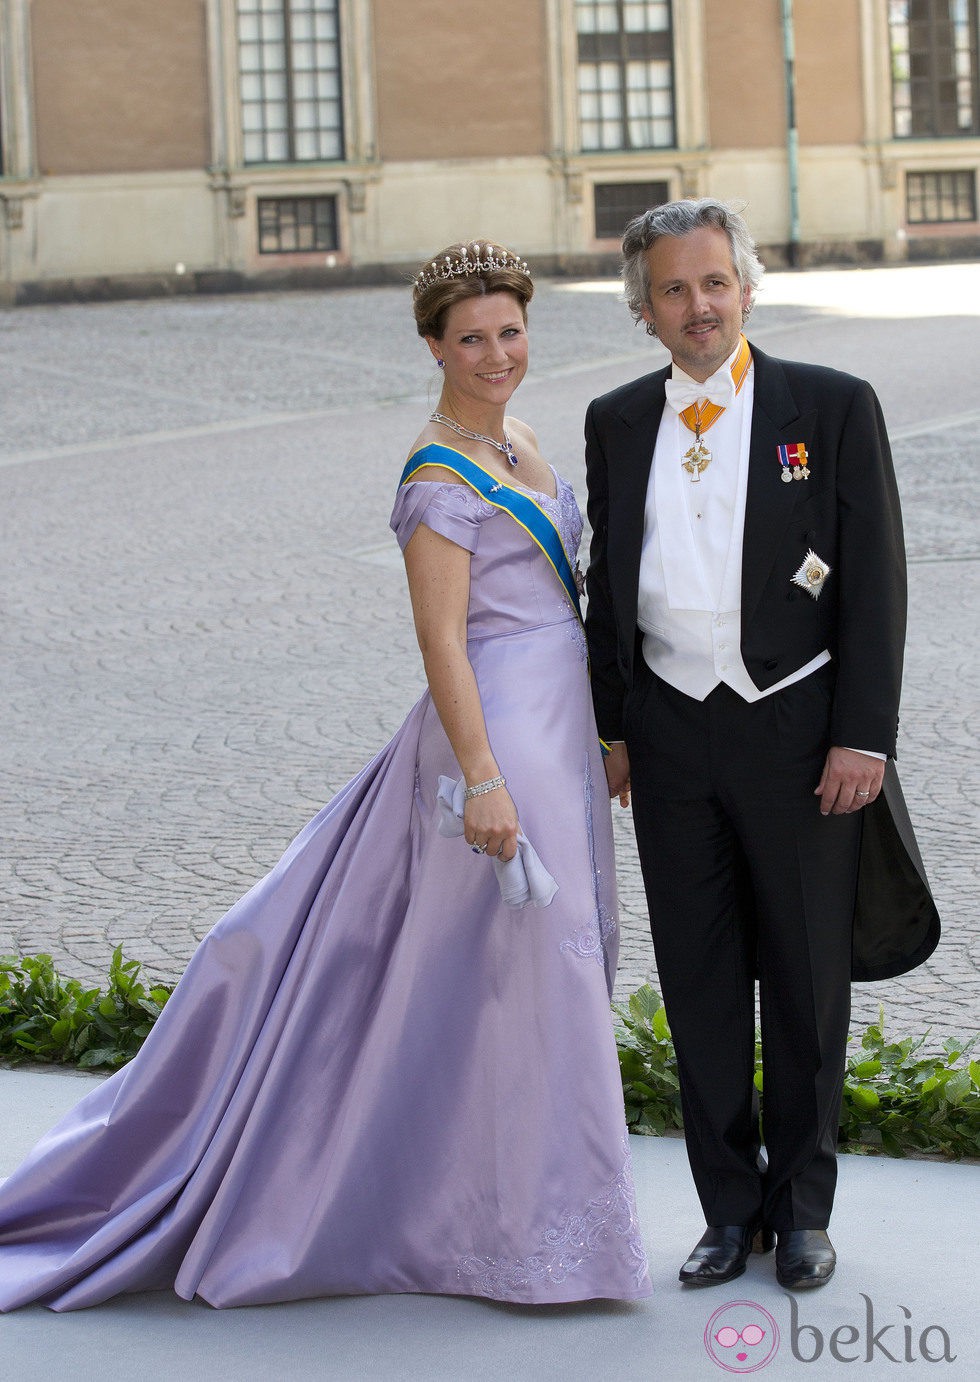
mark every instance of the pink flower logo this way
{"type": "Point", "coordinates": [741, 1336]}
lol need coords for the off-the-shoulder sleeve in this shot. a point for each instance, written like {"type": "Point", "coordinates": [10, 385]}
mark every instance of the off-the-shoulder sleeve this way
{"type": "Point", "coordinates": [452, 510]}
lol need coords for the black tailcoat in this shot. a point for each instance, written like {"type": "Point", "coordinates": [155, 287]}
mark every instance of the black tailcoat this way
{"type": "Point", "coordinates": [848, 513]}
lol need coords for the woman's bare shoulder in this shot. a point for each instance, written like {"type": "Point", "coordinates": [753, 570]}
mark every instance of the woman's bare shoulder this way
{"type": "Point", "coordinates": [433, 472]}
{"type": "Point", "coordinates": [521, 431]}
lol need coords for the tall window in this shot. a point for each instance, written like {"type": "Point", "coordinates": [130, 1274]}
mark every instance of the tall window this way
{"type": "Point", "coordinates": [934, 68]}
{"type": "Point", "coordinates": [289, 64]}
{"type": "Point", "coordinates": [625, 74]}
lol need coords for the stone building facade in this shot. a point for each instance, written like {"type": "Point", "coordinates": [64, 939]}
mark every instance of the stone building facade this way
{"type": "Point", "coordinates": [168, 145]}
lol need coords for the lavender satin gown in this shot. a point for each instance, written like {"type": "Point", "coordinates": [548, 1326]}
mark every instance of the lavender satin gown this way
{"type": "Point", "coordinates": [374, 1076]}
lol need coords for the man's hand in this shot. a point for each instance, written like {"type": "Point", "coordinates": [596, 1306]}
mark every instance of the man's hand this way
{"type": "Point", "coordinates": [849, 781]}
{"type": "Point", "coordinates": [617, 764]}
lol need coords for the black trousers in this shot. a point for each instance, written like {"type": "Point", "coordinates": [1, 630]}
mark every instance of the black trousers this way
{"type": "Point", "coordinates": [745, 879]}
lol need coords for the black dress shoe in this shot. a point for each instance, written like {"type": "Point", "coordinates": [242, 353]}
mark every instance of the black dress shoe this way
{"type": "Point", "coordinates": [805, 1257]}
{"type": "Point", "coordinates": [721, 1253]}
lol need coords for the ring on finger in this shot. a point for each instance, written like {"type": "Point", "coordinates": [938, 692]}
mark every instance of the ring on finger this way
{"type": "Point", "coordinates": [479, 849]}
{"type": "Point", "coordinates": [862, 794]}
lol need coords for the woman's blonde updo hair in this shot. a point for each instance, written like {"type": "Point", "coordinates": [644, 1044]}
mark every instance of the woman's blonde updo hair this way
{"type": "Point", "coordinates": [475, 269]}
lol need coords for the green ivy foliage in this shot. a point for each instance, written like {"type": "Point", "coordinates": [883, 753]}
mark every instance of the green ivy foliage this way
{"type": "Point", "coordinates": [44, 1017]}
{"type": "Point", "coordinates": [897, 1097]}
{"type": "Point", "coordinates": [647, 1064]}
{"type": "Point", "coordinates": [901, 1100]}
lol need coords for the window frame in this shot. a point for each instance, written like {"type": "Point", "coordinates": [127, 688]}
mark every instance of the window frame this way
{"type": "Point", "coordinates": [620, 48]}
{"type": "Point", "coordinates": [967, 179]}
{"type": "Point", "coordinates": [632, 185]}
{"type": "Point", "coordinates": [287, 103]}
{"type": "Point", "coordinates": [296, 201]}
{"type": "Point", "coordinates": [926, 118]}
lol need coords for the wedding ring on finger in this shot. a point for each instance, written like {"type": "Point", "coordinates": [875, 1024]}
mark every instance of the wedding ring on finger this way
{"type": "Point", "coordinates": [862, 794]}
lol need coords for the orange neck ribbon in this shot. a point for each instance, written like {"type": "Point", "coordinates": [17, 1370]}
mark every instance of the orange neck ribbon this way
{"type": "Point", "coordinates": [700, 416]}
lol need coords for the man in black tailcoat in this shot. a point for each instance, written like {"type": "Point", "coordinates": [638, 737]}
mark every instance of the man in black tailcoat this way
{"type": "Point", "coordinates": [746, 625]}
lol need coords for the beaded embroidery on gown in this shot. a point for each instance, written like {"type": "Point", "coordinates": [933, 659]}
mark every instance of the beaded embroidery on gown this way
{"type": "Point", "coordinates": [374, 1076]}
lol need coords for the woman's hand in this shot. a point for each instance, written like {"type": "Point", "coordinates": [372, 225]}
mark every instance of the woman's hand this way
{"type": "Point", "coordinates": [491, 819]}
{"type": "Point", "coordinates": [617, 765]}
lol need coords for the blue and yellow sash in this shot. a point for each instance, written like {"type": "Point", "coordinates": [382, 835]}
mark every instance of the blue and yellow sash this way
{"type": "Point", "coordinates": [521, 507]}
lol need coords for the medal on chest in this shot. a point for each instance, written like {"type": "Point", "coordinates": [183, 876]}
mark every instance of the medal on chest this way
{"type": "Point", "coordinates": [696, 458]}
{"type": "Point", "coordinates": [793, 462]}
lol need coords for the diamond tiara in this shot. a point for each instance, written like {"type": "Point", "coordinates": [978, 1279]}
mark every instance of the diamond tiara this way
{"type": "Point", "coordinates": [468, 259]}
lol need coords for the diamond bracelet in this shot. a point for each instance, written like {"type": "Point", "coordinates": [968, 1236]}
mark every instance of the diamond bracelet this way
{"type": "Point", "coordinates": [491, 785]}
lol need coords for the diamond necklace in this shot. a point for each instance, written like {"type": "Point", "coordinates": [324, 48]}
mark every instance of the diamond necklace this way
{"type": "Point", "coordinates": [505, 447]}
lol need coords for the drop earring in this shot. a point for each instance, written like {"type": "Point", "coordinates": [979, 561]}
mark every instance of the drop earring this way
{"type": "Point", "coordinates": [441, 364]}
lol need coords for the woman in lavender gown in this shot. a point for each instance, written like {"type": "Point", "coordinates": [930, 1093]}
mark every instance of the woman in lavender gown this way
{"type": "Point", "coordinates": [390, 1067]}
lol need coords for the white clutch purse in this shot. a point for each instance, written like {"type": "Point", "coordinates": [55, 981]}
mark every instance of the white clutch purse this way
{"type": "Point", "coordinates": [523, 881]}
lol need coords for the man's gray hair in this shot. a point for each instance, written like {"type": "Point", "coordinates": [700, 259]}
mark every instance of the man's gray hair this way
{"type": "Point", "coordinates": [680, 218]}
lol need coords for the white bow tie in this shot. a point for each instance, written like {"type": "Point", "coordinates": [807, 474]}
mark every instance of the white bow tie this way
{"type": "Point", "coordinates": [719, 389]}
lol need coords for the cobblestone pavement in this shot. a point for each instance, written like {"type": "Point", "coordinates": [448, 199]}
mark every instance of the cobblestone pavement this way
{"type": "Point", "coordinates": [205, 623]}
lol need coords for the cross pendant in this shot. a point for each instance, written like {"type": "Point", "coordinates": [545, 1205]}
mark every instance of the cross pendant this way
{"type": "Point", "coordinates": [695, 460]}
